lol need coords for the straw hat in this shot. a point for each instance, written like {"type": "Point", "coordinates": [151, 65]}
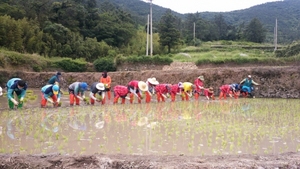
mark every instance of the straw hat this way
{"type": "Point", "coordinates": [210, 90]}
{"type": "Point", "coordinates": [100, 86]}
{"type": "Point", "coordinates": [201, 77]}
{"type": "Point", "coordinates": [143, 86]}
{"type": "Point", "coordinates": [153, 81]}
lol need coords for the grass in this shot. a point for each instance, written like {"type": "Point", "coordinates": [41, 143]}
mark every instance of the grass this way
{"type": "Point", "coordinates": [221, 52]}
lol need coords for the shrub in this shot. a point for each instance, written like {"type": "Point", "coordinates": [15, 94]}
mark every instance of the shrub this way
{"type": "Point", "coordinates": [16, 59]}
{"type": "Point", "coordinates": [70, 65]}
{"type": "Point", "coordinates": [103, 64]}
{"type": "Point", "coordinates": [157, 60]}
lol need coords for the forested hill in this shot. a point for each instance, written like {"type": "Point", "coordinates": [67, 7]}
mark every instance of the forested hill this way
{"type": "Point", "coordinates": [287, 13]}
{"type": "Point", "coordinates": [140, 9]}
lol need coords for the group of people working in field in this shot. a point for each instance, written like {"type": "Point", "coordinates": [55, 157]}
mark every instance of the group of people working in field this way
{"type": "Point", "coordinates": [51, 92]}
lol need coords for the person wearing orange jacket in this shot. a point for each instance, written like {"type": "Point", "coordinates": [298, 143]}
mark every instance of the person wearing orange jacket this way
{"type": "Point", "coordinates": [106, 80]}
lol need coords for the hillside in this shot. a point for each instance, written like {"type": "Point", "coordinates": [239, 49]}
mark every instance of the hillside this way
{"type": "Point", "coordinates": [287, 12]}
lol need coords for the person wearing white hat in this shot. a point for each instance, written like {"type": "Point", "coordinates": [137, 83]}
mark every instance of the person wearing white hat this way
{"type": "Point", "coordinates": [1, 93]}
{"type": "Point", "coordinates": [199, 83]}
{"type": "Point", "coordinates": [97, 88]}
{"type": "Point", "coordinates": [247, 86]}
{"type": "Point", "coordinates": [136, 88]}
{"type": "Point", "coordinates": [151, 82]}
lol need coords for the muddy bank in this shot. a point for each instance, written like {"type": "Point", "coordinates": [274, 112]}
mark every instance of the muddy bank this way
{"type": "Point", "coordinates": [287, 160]}
{"type": "Point", "coordinates": [276, 82]}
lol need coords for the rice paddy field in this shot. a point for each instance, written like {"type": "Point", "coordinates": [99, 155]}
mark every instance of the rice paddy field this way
{"type": "Point", "coordinates": [219, 127]}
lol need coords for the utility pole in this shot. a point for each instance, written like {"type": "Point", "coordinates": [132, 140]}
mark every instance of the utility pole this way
{"type": "Point", "coordinates": [151, 33]}
{"type": "Point", "coordinates": [275, 36]}
{"type": "Point", "coordinates": [147, 47]}
{"type": "Point", "coordinates": [194, 34]}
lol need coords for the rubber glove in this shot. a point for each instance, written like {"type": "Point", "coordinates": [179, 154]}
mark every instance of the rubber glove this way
{"type": "Point", "coordinates": [14, 101]}
{"type": "Point", "coordinates": [50, 100]}
{"type": "Point", "coordinates": [164, 96]}
{"type": "Point", "coordinates": [58, 100]}
{"type": "Point", "coordinates": [22, 99]}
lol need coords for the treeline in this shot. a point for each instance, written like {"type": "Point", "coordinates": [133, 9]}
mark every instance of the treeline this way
{"type": "Point", "coordinates": [85, 29]}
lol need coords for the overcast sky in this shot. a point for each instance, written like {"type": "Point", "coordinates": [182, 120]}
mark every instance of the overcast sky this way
{"type": "Point", "coordinates": [192, 6]}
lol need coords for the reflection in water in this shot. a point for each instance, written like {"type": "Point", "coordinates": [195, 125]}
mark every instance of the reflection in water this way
{"type": "Point", "coordinates": [190, 128]}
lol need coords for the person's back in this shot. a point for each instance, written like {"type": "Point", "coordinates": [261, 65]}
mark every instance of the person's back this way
{"type": "Point", "coordinates": [55, 78]}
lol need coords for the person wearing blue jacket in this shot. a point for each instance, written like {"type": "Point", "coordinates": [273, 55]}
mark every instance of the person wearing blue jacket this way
{"type": "Point", "coordinates": [55, 78]}
{"type": "Point", "coordinates": [50, 93]}
{"type": "Point", "coordinates": [76, 92]}
{"type": "Point", "coordinates": [18, 86]}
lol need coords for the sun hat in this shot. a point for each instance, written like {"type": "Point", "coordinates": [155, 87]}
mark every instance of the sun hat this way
{"type": "Point", "coordinates": [1, 91]}
{"type": "Point", "coordinates": [201, 77]}
{"type": "Point", "coordinates": [143, 86]}
{"type": "Point", "coordinates": [83, 85]}
{"type": "Point", "coordinates": [153, 81]}
{"type": "Point", "coordinates": [100, 86]}
{"type": "Point", "coordinates": [210, 90]}
{"type": "Point", "coordinates": [55, 89]}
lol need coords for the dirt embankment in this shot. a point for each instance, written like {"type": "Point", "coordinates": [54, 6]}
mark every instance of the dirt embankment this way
{"type": "Point", "coordinates": [275, 81]}
{"type": "Point", "coordinates": [287, 160]}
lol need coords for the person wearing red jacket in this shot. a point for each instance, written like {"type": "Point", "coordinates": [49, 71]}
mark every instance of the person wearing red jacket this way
{"type": "Point", "coordinates": [136, 88]}
{"type": "Point", "coordinates": [175, 90]}
{"type": "Point", "coordinates": [224, 90]}
{"type": "Point", "coordinates": [120, 91]}
{"type": "Point", "coordinates": [198, 86]}
{"type": "Point", "coordinates": [209, 93]}
{"type": "Point", "coordinates": [151, 82]}
{"type": "Point", "coordinates": [162, 91]}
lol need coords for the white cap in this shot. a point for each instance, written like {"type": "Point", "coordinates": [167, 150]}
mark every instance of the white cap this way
{"type": "Point", "coordinates": [1, 91]}
{"type": "Point", "coordinates": [249, 76]}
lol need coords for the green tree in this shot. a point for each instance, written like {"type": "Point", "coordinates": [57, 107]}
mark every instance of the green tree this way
{"type": "Point", "coordinates": [255, 31]}
{"type": "Point", "coordinates": [168, 33]}
{"type": "Point", "coordinates": [221, 26]}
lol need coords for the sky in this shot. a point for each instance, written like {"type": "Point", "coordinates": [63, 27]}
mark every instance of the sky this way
{"type": "Point", "coordinates": [192, 6]}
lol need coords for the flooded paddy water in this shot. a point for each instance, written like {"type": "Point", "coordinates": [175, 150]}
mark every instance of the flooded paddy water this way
{"type": "Point", "coordinates": [241, 126]}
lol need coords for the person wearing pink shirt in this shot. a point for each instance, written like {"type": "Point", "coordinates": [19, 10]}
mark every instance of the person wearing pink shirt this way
{"type": "Point", "coordinates": [224, 90]}
{"type": "Point", "coordinates": [120, 91]}
{"type": "Point", "coordinates": [198, 86]}
{"type": "Point", "coordinates": [162, 90]}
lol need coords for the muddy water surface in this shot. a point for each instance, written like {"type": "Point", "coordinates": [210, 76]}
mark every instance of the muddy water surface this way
{"type": "Point", "coordinates": [243, 126]}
